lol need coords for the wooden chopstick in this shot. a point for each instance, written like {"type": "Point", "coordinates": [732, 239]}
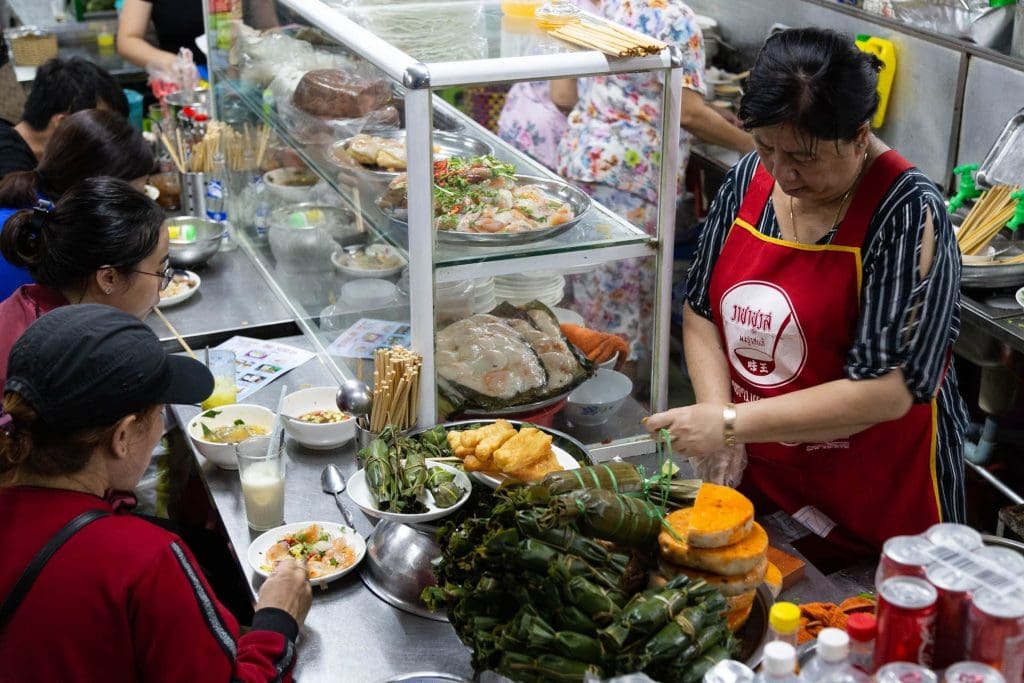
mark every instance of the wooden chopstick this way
{"type": "Point", "coordinates": [181, 340]}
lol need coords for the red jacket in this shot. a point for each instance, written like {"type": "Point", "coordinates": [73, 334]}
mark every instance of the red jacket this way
{"type": "Point", "coordinates": [20, 310]}
{"type": "Point", "coordinates": [122, 600]}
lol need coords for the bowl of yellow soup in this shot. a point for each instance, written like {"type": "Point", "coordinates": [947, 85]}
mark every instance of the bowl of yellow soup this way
{"type": "Point", "coordinates": [312, 418]}
{"type": "Point", "coordinates": [215, 432]}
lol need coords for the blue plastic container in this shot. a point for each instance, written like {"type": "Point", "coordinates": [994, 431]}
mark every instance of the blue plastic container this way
{"type": "Point", "coordinates": [134, 107]}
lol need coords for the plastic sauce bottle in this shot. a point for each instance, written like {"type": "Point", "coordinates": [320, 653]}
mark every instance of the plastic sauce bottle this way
{"type": "Point", "coordinates": [784, 619]}
{"type": "Point", "coordinates": [862, 629]}
{"type": "Point", "coordinates": [830, 664]}
{"type": "Point", "coordinates": [779, 664]}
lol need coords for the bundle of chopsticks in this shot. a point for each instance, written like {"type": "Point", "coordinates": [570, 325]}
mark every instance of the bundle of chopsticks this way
{"type": "Point", "coordinates": [396, 385]}
{"type": "Point", "coordinates": [242, 150]}
{"type": "Point", "coordinates": [987, 217]}
{"type": "Point", "coordinates": [595, 33]}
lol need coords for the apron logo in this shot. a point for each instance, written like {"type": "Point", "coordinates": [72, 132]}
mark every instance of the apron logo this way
{"type": "Point", "coordinates": [765, 342]}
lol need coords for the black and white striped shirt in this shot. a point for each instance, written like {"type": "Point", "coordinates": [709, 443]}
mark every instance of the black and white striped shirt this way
{"type": "Point", "coordinates": [906, 321]}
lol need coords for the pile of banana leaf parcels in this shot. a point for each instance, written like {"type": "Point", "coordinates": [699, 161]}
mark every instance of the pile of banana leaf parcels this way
{"type": "Point", "coordinates": [549, 581]}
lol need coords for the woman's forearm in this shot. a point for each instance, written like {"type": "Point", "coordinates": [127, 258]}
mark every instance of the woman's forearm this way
{"type": "Point", "coordinates": [705, 359]}
{"type": "Point", "coordinates": [709, 126]}
{"type": "Point", "coordinates": [139, 52]}
{"type": "Point", "coordinates": [833, 410]}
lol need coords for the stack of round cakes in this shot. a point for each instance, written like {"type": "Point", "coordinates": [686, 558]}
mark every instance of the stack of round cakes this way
{"type": "Point", "coordinates": [719, 541]}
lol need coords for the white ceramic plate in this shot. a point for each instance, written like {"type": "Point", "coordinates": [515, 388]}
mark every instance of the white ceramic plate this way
{"type": "Point", "coordinates": [1020, 296]}
{"type": "Point", "coordinates": [495, 480]}
{"type": "Point", "coordinates": [259, 547]}
{"type": "Point", "coordinates": [359, 492]}
{"type": "Point", "coordinates": [178, 298]}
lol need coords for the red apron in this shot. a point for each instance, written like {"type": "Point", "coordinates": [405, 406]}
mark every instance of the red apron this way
{"type": "Point", "coordinates": [787, 315]}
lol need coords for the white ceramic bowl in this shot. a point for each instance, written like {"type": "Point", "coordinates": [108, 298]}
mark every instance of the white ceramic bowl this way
{"type": "Point", "coordinates": [344, 266]}
{"type": "Point", "coordinates": [610, 363]}
{"type": "Point", "coordinates": [309, 434]}
{"type": "Point", "coordinates": [290, 183]}
{"type": "Point", "coordinates": [223, 454]}
{"type": "Point", "coordinates": [596, 400]}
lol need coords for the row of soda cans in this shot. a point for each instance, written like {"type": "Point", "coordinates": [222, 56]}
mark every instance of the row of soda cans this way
{"type": "Point", "coordinates": [945, 597]}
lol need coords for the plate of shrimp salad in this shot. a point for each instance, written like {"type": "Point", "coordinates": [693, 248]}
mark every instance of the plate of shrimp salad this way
{"type": "Point", "coordinates": [481, 199]}
{"type": "Point", "coordinates": [329, 550]}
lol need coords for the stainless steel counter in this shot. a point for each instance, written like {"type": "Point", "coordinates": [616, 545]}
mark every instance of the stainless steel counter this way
{"type": "Point", "coordinates": [232, 299]}
{"type": "Point", "coordinates": [351, 635]}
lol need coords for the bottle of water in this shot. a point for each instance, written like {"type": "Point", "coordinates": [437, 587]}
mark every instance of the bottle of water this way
{"type": "Point", "coordinates": [784, 622]}
{"type": "Point", "coordinates": [729, 671]}
{"type": "Point", "coordinates": [217, 199]}
{"type": "Point", "coordinates": [779, 664]}
{"type": "Point", "coordinates": [830, 663]}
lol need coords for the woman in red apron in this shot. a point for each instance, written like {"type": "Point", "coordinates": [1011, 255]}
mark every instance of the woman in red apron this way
{"type": "Point", "coordinates": [821, 309]}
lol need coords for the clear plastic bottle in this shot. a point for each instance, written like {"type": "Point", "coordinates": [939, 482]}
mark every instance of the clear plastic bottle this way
{"type": "Point", "coordinates": [729, 671]}
{"type": "Point", "coordinates": [217, 200]}
{"type": "Point", "coordinates": [862, 629]}
{"type": "Point", "coordinates": [784, 619]}
{"type": "Point", "coordinates": [830, 663]}
{"type": "Point", "coordinates": [779, 664]}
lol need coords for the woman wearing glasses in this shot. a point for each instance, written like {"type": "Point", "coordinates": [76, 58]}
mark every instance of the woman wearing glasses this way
{"type": "Point", "coordinates": [102, 243]}
{"type": "Point", "coordinates": [87, 144]}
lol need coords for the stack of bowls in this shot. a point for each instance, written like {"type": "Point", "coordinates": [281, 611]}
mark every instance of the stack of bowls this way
{"type": "Point", "coordinates": [458, 299]}
{"type": "Point", "coordinates": [546, 287]}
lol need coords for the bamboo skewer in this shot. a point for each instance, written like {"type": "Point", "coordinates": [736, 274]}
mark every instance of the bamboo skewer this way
{"type": "Point", "coordinates": [613, 40]}
{"type": "Point", "coordinates": [170, 327]}
{"type": "Point", "coordinates": [396, 381]}
{"type": "Point", "coordinates": [178, 163]}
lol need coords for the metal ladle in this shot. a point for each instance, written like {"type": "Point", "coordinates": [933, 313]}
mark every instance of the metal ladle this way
{"type": "Point", "coordinates": [355, 398]}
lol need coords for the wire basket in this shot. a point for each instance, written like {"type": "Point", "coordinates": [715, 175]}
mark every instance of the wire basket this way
{"type": "Point", "coordinates": [33, 47]}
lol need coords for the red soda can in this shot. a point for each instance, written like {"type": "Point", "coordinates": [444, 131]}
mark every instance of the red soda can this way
{"type": "Point", "coordinates": [958, 536]}
{"type": "Point", "coordinates": [905, 672]}
{"type": "Point", "coordinates": [906, 621]}
{"type": "Point", "coordinates": [954, 597]}
{"type": "Point", "coordinates": [995, 632]}
{"type": "Point", "coordinates": [903, 556]}
{"type": "Point", "coordinates": [973, 672]}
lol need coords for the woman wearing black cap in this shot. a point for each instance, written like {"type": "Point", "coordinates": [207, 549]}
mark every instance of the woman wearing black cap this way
{"type": "Point", "coordinates": [120, 599]}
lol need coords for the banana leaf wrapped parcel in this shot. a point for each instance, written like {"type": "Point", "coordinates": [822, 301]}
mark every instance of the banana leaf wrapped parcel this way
{"type": "Point", "coordinates": [538, 592]}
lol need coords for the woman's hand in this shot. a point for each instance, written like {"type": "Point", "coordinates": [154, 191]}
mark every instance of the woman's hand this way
{"type": "Point", "coordinates": [696, 430]}
{"type": "Point", "coordinates": [288, 589]}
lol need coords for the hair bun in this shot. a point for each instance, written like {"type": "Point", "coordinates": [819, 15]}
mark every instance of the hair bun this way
{"type": "Point", "coordinates": [23, 241]}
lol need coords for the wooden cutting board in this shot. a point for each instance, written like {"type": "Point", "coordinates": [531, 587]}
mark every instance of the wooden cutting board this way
{"type": "Point", "coordinates": [792, 568]}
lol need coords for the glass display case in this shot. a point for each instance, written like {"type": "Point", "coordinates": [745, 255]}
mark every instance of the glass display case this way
{"type": "Point", "coordinates": [332, 194]}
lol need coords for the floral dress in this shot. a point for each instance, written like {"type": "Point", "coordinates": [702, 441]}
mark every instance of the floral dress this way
{"type": "Point", "coordinates": [612, 149]}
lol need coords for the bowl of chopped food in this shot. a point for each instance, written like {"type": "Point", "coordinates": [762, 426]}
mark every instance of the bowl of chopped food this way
{"type": "Point", "coordinates": [329, 550]}
{"type": "Point", "coordinates": [312, 418]}
{"type": "Point", "coordinates": [291, 183]}
{"type": "Point", "coordinates": [183, 285]}
{"type": "Point", "coordinates": [373, 260]}
{"type": "Point", "coordinates": [215, 432]}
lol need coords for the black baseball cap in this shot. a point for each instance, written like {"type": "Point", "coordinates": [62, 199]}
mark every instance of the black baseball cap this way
{"type": "Point", "coordinates": [89, 365]}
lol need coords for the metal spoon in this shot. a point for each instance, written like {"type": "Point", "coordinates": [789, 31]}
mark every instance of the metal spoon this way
{"type": "Point", "coordinates": [333, 481]}
{"type": "Point", "coordinates": [354, 398]}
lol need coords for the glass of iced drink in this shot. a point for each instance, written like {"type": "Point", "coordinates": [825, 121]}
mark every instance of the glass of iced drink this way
{"type": "Point", "coordinates": [261, 470]}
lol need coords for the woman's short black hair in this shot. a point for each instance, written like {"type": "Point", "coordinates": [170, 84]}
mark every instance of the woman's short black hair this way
{"type": "Point", "coordinates": [98, 222]}
{"type": "Point", "coordinates": [814, 79]}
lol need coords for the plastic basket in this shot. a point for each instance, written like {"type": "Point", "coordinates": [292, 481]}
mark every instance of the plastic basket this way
{"type": "Point", "coordinates": [33, 47]}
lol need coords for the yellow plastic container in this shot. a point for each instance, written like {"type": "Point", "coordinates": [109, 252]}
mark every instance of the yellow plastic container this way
{"type": "Point", "coordinates": [520, 8]}
{"type": "Point", "coordinates": [885, 51]}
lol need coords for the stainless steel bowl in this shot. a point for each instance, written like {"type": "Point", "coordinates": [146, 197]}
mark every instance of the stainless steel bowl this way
{"type": "Point", "coordinates": [398, 566]}
{"type": "Point", "coordinates": [575, 198]}
{"type": "Point", "coordinates": [184, 253]}
{"type": "Point", "coordinates": [376, 180]}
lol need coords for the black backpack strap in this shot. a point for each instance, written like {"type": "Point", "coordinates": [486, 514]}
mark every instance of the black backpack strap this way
{"type": "Point", "coordinates": [28, 577]}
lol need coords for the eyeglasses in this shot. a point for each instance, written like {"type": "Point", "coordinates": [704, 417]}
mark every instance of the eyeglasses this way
{"type": "Point", "coordinates": [167, 274]}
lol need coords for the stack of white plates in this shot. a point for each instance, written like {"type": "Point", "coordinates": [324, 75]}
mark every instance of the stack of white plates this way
{"type": "Point", "coordinates": [458, 299]}
{"type": "Point", "coordinates": [483, 295]}
{"type": "Point", "coordinates": [548, 288]}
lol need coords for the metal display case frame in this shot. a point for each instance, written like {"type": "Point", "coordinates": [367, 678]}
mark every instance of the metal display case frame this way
{"type": "Point", "coordinates": [614, 239]}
